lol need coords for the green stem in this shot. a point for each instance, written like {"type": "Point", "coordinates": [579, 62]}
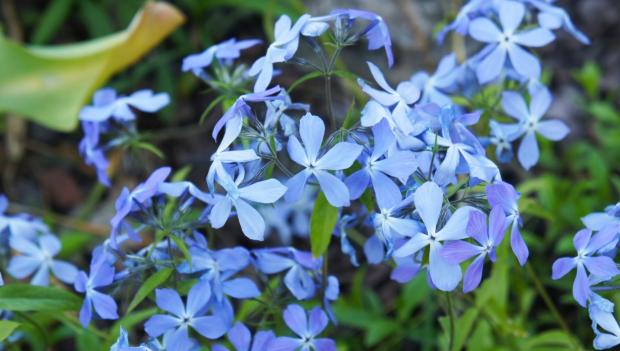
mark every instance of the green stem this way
{"type": "Point", "coordinates": [328, 87]}
{"type": "Point", "coordinates": [452, 320]}
{"type": "Point", "coordinates": [546, 298]}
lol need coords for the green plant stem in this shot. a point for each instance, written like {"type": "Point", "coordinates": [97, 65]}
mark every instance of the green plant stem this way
{"type": "Point", "coordinates": [546, 298]}
{"type": "Point", "coordinates": [328, 88]}
{"type": "Point", "coordinates": [452, 320]}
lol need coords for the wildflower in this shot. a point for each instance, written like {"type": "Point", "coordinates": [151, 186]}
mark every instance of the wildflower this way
{"type": "Point", "coordinates": [587, 247]}
{"type": "Point", "coordinates": [505, 196]}
{"type": "Point", "coordinates": [282, 49]}
{"type": "Point", "coordinates": [406, 93]}
{"type": "Point", "coordinates": [307, 329]}
{"type": "Point", "coordinates": [530, 123]}
{"type": "Point", "coordinates": [106, 105]}
{"type": "Point", "coordinates": [252, 223]}
{"type": "Point", "coordinates": [39, 256]}
{"type": "Point", "coordinates": [241, 339]}
{"type": "Point", "coordinates": [339, 157]}
{"type": "Point", "coordinates": [434, 87]}
{"type": "Point", "coordinates": [428, 200]}
{"type": "Point", "coordinates": [488, 239]}
{"type": "Point", "coordinates": [183, 316]}
{"type": "Point", "coordinates": [506, 41]}
{"type": "Point", "coordinates": [101, 275]}
{"type": "Point", "coordinates": [226, 52]}
{"type": "Point", "coordinates": [298, 265]}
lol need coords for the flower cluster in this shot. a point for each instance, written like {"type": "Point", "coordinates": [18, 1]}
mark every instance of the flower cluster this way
{"type": "Point", "coordinates": [596, 247]}
{"type": "Point", "coordinates": [407, 174]}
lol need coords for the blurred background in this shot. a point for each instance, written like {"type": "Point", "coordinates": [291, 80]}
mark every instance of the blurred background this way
{"type": "Point", "coordinates": [43, 173]}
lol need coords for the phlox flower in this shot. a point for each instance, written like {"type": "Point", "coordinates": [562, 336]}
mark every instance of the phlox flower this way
{"type": "Point", "coordinates": [183, 316]}
{"type": "Point", "coordinates": [226, 51]}
{"type": "Point", "coordinates": [530, 123]}
{"type": "Point", "coordinates": [101, 275]}
{"type": "Point", "coordinates": [507, 42]}
{"type": "Point", "coordinates": [587, 260]}
{"type": "Point", "coordinates": [434, 87]}
{"type": "Point", "coordinates": [307, 328]}
{"type": "Point", "coordinates": [107, 105]}
{"type": "Point", "coordinates": [241, 339]}
{"type": "Point", "coordinates": [298, 266]}
{"type": "Point", "coordinates": [38, 256]}
{"type": "Point", "coordinates": [487, 237]}
{"type": "Point", "coordinates": [428, 200]}
{"type": "Point", "coordinates": [339, 157]}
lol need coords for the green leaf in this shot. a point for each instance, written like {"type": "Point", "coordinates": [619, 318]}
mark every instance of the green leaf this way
{"type": "Point", "coordinates": [589, 76]}
{"type": "Point", "coordinates": [464, 326]}
{"type": "Point", "coordinates": [128, 322]}
{"type": "Point", "coordinates": [50, 84]}
{"type": "Point", "coordinates": [304, 78]}
{"type": "Point", "coordinates": [6, 328]}
{"type": "Point", "coordinates": [53, 17]}
{"type": "Point", "coordinates": [150, 148]}
{"type": "Point", "coordinates": [322, 223]}
{"type": "Point", "coordinates": [352, 117]}
{"type": "Point", "coordinates": [149, 285]}
{"type": "Point", "coordinates": [557, 338]}
{"type": "Point", "coordinates": [22, 297]}
{"type": "Point", "coordinates": [181, 245]}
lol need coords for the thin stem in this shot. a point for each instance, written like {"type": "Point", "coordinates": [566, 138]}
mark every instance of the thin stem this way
{"type": "Point", "coordinates": [543, 293]}
{"type": "Point", "coordinates": [430, 167]}
{"type": "Point", "coordinates": [328, 98]}
{"type": "Point", "coordinates": [452, 320]}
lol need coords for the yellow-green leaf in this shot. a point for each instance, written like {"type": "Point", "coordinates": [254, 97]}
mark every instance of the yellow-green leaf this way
{"type": "Point", "coordinates": [49, 84]}
{"type": "Point", "coordinates": [322, 223]}
{"type": "Point", "coordinates": [6, 328]}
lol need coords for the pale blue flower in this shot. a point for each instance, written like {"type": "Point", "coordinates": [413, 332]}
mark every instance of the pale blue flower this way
{"type": "Point", "coordinates": [307, 328]}
{"type": "Point", "coordinates": [226, 52]}
{"type": "Point", "coordinates": [340, 156]}
{"type": "Point", "coordinates": [507, 42]}
{"type": "Point", "coordinates": [101, 275]}
{"type": "Point", "coordinates": [428, 200]}
{"type": "Point", "coordinates": [107, 105]}
{"type": "Point", "coordinates": [435, 87]}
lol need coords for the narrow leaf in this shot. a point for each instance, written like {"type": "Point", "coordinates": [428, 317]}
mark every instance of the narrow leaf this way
{"type": "Point", "coordinates": [6, 328]}
{"type": "Point", "coordinates": [22, 297]}
{"type": "Point", "coordinates": [149, 285]}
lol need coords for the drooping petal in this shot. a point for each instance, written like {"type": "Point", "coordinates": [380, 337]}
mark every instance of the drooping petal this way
{"type": "Point", "coordinates": [334, 189]}
{"type": "Point", "coordinates": [497, 225]}
{"type": "Point", "coordinates": [386, 191]}
{"type": "Point", "coordinates": [104, 305]}
{"type": "Point", "coordinates": [445, 276]}
{"type": "Point", "coordinates": [41, 277]}
{"type": "Point", "coordinates": [220, 212]}
{"type": "Point", "coordinates": [561, 266]}
{"type": "Point", "coordinates": [491, 66]}
{"type": "Point", "coordinates": [524, 62]}
{"type": "Point", "coordinates": [581, 286]}
{"type": "Point", "coordinates": [296, 185]}
{"type": "Point", "coordinates": [519, 248]}
{"type": "Point", "coordinates": [473, 274]}
{"type": "Point", "coordinates": [252, 223]}
{"type": "Point", "coordinates": [379, 77]}
{"type": "Point", "coordinates": [86, 312]}
{"type": "Point", "coordinates": [528, 151]}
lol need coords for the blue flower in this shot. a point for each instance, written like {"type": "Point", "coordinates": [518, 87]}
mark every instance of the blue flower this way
{"type": "Point", "coordinates": [101, 275]}
{"type": "Point", "coordinates": [138, 197]}
{"type": "Point", "coordinates": [241, 109]}
{"type": "Point", "coordinates": [505, 196]}
{"type": "Point", "coordinates": [241, 339]}
{"type": "Point", "coordinates": [501, 139]}
{"type": "Point", "coordinates": [92, 152]}
{"type": "Point", "coordinates": [122, 343]}
{"type": "Point", "coordinates": [377, 31]}
{"type": "Point", "coordinates": [601, 312]}
{"type": "Point", "coordinates": [339, 157]}
{"type": "Point", "coordinates": [587, 246]}
{"type": "Point", "coordinates": [376, 168]}
{"type": "Point", "coordinates": [461, 23]}
{"type": "Point", "coordinates": [107, 105]}
{"type": "Point", "coordinates": [506, 41]}
{"type": "Point", "coordinates": [183, 316]}
{"type": "Point", "coordinates": [530, 123]}
{"type": "Point", "coordinates": [428, 200]}
{"type": "Point", "coordinates": [219, 268]}
{"type": "Point", "coordinates": [252, 224]}
{"type": "Point", "coordinates": [609, 219]}
{"type": "Point", "coordinates": [553, 17]}
{"type": "Point", "coordinates": [21, 224]}
{"type": "Point", "coordinates": [39, 256]}
{"type": "Point", "coordinates": [307, 329]}
{"type": "Point", "coordinates": [282, 49]}
{"type": "Point", "coordinates": [406, 93]}
{"type": "Point", "coordinates": [298, 264]}
{"type": "Point", "coordinates": [225, 52]}
{"type": "Point", "coordinates": [487, 238]}
{"type": "Point", "coordinates": [434, 87]}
